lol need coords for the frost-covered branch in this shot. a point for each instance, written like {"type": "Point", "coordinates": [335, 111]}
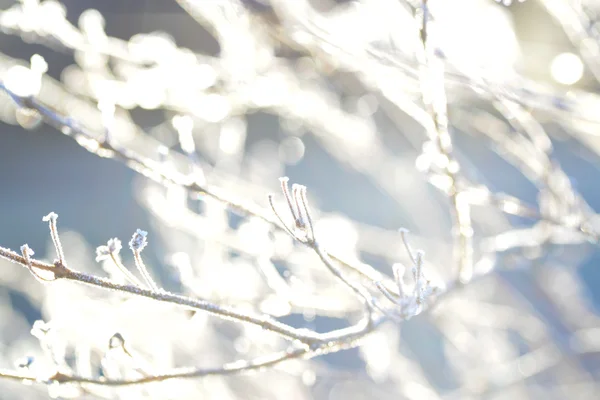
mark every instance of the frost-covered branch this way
{"type": "Point", "coordinates": [395, 94]}
{"type": "Point", "coordinates": [311, 343]}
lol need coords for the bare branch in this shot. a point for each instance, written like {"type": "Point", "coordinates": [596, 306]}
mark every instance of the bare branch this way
{"type": "Point", "coordinates": [265, 322]}
{"type": "Point", "coordinates": [235, 367]}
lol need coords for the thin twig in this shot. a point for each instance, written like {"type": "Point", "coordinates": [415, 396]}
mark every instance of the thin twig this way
{"type": "Point", "coordinates": [27, 252]}
{"type": "Point", "coordinates": [409, 251]}
{"type": "Point", "coordinates": [62, 272]}
{"type": "Point", "coordinates": [298, 207]}
{"type": "Point", "coordinates": [137, 243]}
{"type": "Point", "coordinates": [51, 219]}
{"type": "Point", "coordinates": [139, 263]}
{"type": "Point", "coordinates": [369, 301]}
{"type": "Point", "coordinates": [227, 369]}
{"type": "Point", "coordinates": [333, 342]}
{"type": "Point", "coordinates": [128, 275]}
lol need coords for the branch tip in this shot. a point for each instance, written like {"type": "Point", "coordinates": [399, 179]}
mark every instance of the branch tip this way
{"type": "Point", "coordinates": [51, 218]}
{"type": "Point", "coordinates": [138, 240]}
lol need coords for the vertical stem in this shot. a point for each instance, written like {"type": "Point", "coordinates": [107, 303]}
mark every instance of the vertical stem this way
{"type": "Point", "coordinates": [139, 263]}
{"type": "Point", "coordinates": [433, 92]}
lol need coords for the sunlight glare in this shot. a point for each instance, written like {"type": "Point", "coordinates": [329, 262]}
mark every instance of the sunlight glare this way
{"type": "Point", "coordinates": [566, 68]}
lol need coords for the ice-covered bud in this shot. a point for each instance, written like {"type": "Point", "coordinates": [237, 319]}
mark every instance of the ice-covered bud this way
{"type": "Point", "coordinates": [50, 217]}
{"type": "Point", "coordinates": [26, 250]}
{"type": "Point", "coordinates": [138, 241]}
{"type": "Point", "coordinates": [112, 247]}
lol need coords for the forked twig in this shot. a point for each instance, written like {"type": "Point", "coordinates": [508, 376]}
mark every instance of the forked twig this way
{"type": "Point", "coordinates": [304, 233]}
{"type": "Point", "coordinates": [27, 253]}
{"type": "Point", "coordinates": [410, 300]}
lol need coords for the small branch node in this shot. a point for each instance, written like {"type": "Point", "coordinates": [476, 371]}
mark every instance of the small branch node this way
{"type": "Point", "coordinates": [409, 300]}
{"type": "Point", "coordinates": [27, 254]}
